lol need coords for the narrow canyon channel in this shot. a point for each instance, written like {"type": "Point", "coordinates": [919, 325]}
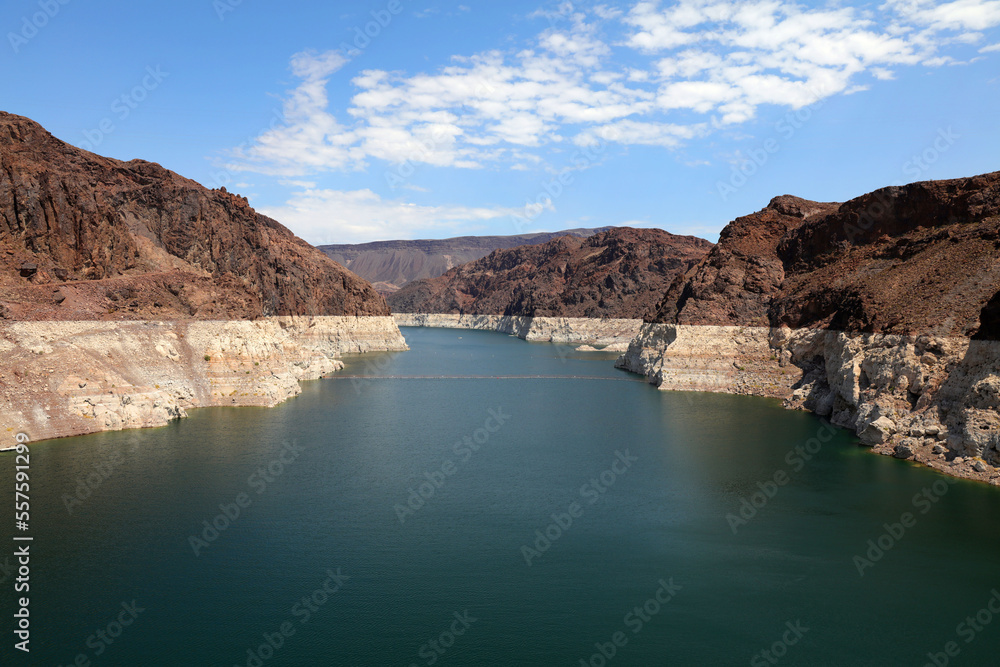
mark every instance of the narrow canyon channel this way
{"type": "Point", "coordinates": [416, 511]}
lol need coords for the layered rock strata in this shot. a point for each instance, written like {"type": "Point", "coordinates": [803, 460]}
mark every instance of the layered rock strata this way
{"type": "Point", "coordinates": [618, 274]}
{"type": "Point", "coordinates": [590, 334]}
{"type": "Point", "coordinates": [935, 400]}
{"type": "Point", "coordinates": [881, 313]}
{"type": "Point", "coordinates": [71, 378]}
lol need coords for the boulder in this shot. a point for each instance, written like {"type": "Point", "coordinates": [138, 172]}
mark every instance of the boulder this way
{"type": "Point", "coordinates": [878, 431]}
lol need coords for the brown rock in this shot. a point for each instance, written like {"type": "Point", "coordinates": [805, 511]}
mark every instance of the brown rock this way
{"type": "Point", "coordinates": [138, 223]}
{"type": "Point", "coordinates": [620, 273]}
{"type": "Point", "coordinates": [858, 266]}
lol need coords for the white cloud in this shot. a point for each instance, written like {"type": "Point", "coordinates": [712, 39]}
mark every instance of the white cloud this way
{"type": "Point", "coordinates": [310, 138]}
{"type": "Point", "coordinates": [957, 15]}
{"type": "Point", "coordinates": [323, 216]}
{"type": "Point", "coordinates": [646, 71]}
{"type": "Point", "coordinates": [639, 133]}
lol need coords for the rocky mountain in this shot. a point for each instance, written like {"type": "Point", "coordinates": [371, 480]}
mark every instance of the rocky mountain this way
{"type": "Point", "coordinates": [619, 273]}
{"type": "Point", "coordinates": [391, 264]}
{"type": "Point", "coordinates": [914, 259]}
{"type": "Point", "coordinates": [88, 237]}
{"type": "Point", "coordinates": [881, 314]}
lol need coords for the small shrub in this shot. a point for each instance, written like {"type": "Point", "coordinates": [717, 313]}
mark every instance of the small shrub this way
{"type": "Point", "coordinates": [208, 357]}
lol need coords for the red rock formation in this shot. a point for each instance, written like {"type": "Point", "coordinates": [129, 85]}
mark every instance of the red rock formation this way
{"type": "Point", "coordinates": [124, 240]}
{"type": "Point", "coordinates": [919, 258]}
{"type": "Point", "coordinates": [620, 273]}
{"type": "Point", "coordinates": [389, 265]}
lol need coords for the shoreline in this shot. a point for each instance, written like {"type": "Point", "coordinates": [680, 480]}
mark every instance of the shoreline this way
{"type": "Point", "coordinates": [588, 334]}
{"type": "Point", "coordinates": [928, 399]}
{"type": "Point", "coordinates": [63, 379]}
{"type": "Point", "coordinates": [922, 398]}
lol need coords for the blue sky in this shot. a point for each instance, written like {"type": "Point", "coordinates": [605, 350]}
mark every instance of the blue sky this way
{"type": "Point", "coordinates": [452, 118]}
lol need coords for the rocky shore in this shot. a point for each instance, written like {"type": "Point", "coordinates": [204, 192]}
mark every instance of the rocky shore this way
{"type": "Point", "coordinates": [589, 334]}
{"type": "Point", "coordinates": [930, 399]}
{"type": "Point", "coordinates": [75, 377]}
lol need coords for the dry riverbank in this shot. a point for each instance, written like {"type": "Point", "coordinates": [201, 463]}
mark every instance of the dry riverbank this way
{"type": "Point", "coordinates": [930, 399]}
{"type": "Point", "coordinates": [69, 378]}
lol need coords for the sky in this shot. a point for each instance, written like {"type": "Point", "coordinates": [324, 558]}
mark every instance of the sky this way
{"type": "Point", "coordinates": [357, 121]}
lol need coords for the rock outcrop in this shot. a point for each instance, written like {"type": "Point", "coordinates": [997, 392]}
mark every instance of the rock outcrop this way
{"type": "Point", "coordinates": [618, 274]}
{"type": "Point", "coordinates": [589, 334]}
{"type": "Point", "coordinates": [880, 313]}
{"type": "Point", "coordinates": [88, 237]}
{"type": "Point", "coordinates": [129, 294]}
{"type": "Point", "coordinates": [69, 378]}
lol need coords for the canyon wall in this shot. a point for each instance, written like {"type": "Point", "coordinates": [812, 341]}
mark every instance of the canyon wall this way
{"type": "Point", "coordinates": [620, 274]}
{"type": "Point", "coordinates": [881, 314]}
{"type": "Point", "coordinates": [611, 335]}
{"type": "Point", "coordinates": [85, 237]}
{"type": "Point", "coordinates": [389, 265]}
{"type": "Point", "coordinates": [935, 400]}
{"type": "Point", "coordinates": [74, 377]}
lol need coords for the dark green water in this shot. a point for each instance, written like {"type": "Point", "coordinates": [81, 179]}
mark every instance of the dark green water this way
{"type": "Point", "coordinates": [359, 447]}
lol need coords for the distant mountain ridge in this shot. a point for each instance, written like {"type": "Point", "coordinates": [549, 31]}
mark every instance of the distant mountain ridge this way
{"type": "Point", "coordinates": [389, 265]}
{"type": "Point", "coordinates": [621, 273]}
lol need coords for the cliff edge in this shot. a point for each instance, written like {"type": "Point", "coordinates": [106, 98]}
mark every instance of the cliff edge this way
{"type": "Point", "coordinates": [129, 294]}
{"type": "Point", "coordinates": [89, 237]}
{"type": "Point", "coordinates": [880, 313]}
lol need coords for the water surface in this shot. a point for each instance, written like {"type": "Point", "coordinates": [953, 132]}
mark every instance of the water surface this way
{"type": "Point", "coordinates": [356, 452]}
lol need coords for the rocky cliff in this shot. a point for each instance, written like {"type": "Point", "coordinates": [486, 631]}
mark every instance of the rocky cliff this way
{"type": "Point", "coordinates": [89, 237]}
{"type": "Point", "coordinates": [880, 313]}
{"type": "Point", "coordinates": [68, 378]}
{"type": "Point", "coordinates": [391, 264]}
{"type": "Point", "coordinates": [584, 333]}
{"type": "Point", "coordinates": [129, 294]}
{"type": "Point", "coordinates": [619, 274]}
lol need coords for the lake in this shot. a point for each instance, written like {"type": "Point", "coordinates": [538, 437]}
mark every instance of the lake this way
{"type": "Point", "coordinates": [480, 500]}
